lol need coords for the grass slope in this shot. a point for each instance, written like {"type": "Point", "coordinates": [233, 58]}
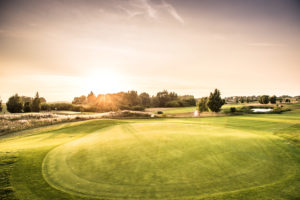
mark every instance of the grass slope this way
{"type": "Point", "coordinates": [238, 157]}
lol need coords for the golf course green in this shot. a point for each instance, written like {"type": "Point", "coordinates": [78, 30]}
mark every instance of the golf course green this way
{"type": "Point", "coordinates": [233, 157]}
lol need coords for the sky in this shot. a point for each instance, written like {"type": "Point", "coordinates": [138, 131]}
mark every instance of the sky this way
{"type": "Point", "coordinates": [67, 48]}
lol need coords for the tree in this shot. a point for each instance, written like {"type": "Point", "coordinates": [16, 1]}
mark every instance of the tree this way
{"type": "Point", "coordinates": [248, 99]}
{"type": "Point", "coordinates": [91, 98]}
{"type": "Point", "coordinates": [145, 99]}
{"type": "Point", "coordinates": [162, 98]}
{"type": "Point", "coordinates": [187, 100]}
{"type": "Point", "coordinates": [264, 99]}
{"type": "Point", "coordinates": [132, 98]}
{"type": "Point", "coordinates": [80, 100]}
{"type": "Point", "coordinates": [242, 100]}
{"type": "Point", "coordinates": [172, 96]}
{"type": "Point", "coordinates": [42, 100]}
{"type": "Point", "coordinates": [202, 104]}
{"type": "Point", "coordinates": [36, 103]}
{"type": "Point", "coordinates": [215, 102]}
{"type": "Point", "coordinates": [273, 99]}
{"type": "Point", "coordinates": [1, 106]}
{"type": "Point", "coordinates": [14, 104]}
{"type": "Point", "coordinates": [236, 99]}
{"type": "Point", "coordinates": [27, 107]}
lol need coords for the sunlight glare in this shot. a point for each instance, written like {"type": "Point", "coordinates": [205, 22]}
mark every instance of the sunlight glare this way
{"type": "Point", "coordinates": [103, 80]}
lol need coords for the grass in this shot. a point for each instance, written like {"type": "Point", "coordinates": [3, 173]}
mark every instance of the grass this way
{"type": "Point", "coordinates": [237, 157]}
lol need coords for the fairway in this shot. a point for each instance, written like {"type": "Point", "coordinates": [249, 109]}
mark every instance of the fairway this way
{"type": "Point", "coordinates": [206, 158]}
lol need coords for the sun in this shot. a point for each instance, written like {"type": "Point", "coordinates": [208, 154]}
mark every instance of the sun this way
{"type": "Point", "coordinates": [103, 80]}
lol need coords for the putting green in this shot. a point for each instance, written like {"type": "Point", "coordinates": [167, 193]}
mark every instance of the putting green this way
{"type": "Point", "coordinates": [168, 160]}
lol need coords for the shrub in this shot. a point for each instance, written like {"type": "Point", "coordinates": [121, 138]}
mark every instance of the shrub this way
{"type": "Point", "coordinates": [232, 109]}
{"type": "Point", "coordinates": [202, 104]}
{"type": "Point", "coordinates": [160, 112]}
{"type": "Point", "coordinates": [45, 107]}
{"type": "Point", "coordinates": [173, 104]}
{"type": "Point", "coordinates": [246, 109]}
{"type": "Point", "coordinates": [137, 108]}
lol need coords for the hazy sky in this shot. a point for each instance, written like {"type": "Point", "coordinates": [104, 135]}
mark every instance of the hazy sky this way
{"type": "Point", "coordinates": [69, 47]}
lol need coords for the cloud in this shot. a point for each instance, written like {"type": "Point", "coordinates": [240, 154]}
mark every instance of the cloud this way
{"type": "Point", "coordinates": [148, 8]}
{"type": "Point", "coordinates": [145, 7]}
{"type": "Point", "coordinates": [172, 11]}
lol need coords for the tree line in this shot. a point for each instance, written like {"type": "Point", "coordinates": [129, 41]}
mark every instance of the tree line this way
{"type": "Point", "coordinates": [131, 100]}
{"type": "Point", "coordinates": [18, 104]}
{"type": "Point", "coordinates": [264, 99]}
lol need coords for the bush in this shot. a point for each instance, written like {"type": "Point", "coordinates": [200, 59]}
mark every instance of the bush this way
{"type": "Point", "coordinates": [202, 104]}
{"type": "Point", "coordinates": [173, 104]}
{"type": "Point", "coordinates": [137, 108]}
{"type": "Point", "coordinates": [160, 112]}
{"type": "Point", "coordinates": [232, 109]}
{"type": "Point", "coordinates": [45, 107]}
{"type": "Point", "coordinates": [246, 109]}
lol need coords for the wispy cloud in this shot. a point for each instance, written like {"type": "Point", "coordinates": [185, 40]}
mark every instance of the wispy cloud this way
{"type": "Point", "coordinates": [151, 10]}
{"type": "Point", "coordinates": [145, 7]}
{"type": "Point", "coordinates": [173, 12]}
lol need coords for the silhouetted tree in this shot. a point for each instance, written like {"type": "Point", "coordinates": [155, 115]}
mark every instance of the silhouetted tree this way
{"type": "Point", "coordinates": [145, 99]}
{"type": "Point", "coordinates": [132, 98]}
{"type": "Point", "coordinates": [162, 98]}
{"type": "Point", "coordinates": [36, 103]}
{"type": "Point", "coordinates": [264, 99]}
{"type": "Point", "coordinates": [215, 102]}
{"type": "Point", "coordinates": [14, 104]}
{"type": "Point", "coordinates": [242, 99]}
{"type": "Point", "coordinates": [248, 99]}
{"type": "Point", "coordinates": [1, 105]}
{"type": "Point", "coordinates": [273, 99]}
{"type": "Point", "coordinates": [27, 107]}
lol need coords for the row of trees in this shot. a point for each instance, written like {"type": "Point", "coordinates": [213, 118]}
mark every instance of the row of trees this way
{"type": "Point", "coordinates": [133, 100]}
{"type": "Point", "coordinates": [18, 104]}
{"type": "Point", "coordinates": [264, 99]}
{"type": "Point", "coordinates": [212, 103]}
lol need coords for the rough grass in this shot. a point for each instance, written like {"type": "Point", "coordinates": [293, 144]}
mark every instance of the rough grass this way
{"type": "Point", "coordinates": [239, 157]}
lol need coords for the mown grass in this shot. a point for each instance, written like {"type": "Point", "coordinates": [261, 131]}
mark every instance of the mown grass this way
{"type": "Point", "coordinates": [237, 157]}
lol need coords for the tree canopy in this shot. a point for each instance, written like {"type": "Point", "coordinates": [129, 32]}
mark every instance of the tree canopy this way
{"type": "Point", "coordinates": [214, 101]}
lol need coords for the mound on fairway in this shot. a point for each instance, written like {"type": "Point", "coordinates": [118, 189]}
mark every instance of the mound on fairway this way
{"type": "Point", "coordinates": [168, 160]}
